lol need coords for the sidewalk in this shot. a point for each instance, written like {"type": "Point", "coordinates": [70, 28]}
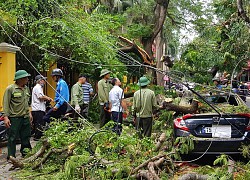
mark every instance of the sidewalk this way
{"type": "Point", "coordinates": [5, 174]}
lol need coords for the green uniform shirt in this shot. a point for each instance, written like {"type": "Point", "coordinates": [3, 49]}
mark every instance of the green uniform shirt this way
{"type": "Point", "coordinates": [16, 101]}
{"type": "Point", "coordinates": [77, 94]}
{"type": "Point", "coordinates": [144, 102]}
{"type": "Point", "coordinates": [103, 91]}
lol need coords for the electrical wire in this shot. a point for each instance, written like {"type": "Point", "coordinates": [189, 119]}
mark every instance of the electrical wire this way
{"type": "Point", "coordinates": [128, 58]}
{"type": "Point", "coordinates": [85, 120]}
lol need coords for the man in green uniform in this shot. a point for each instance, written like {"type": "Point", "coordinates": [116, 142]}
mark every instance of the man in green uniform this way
{"type": "Point", "coordinates": [17, 116]}
{"type": "Point", "coordinates": [77, 97]}
{"type": "Point", "coordinates": [143, 104]}
{"type": "Point", "coordinates": [103, 96]}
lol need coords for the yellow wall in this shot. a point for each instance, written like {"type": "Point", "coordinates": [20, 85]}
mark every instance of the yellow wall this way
{"type": "Point", "coordinates": [7, 72]}
{"type": "Point", "coordinates": [49, 90]}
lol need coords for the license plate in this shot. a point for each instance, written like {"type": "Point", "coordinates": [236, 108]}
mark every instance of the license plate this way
{"type": "Point", "coordinates": [221, 131]}
{"type": "Point", "coordinates": [207, 130]}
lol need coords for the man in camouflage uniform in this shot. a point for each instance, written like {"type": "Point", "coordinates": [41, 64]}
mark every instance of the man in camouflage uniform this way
{"type": "Point", "coordinates": [103, 96]}
{"type": "Point", "coordinates": [17, 116]}
{"type": "Point", "coordinates": [144, 102]}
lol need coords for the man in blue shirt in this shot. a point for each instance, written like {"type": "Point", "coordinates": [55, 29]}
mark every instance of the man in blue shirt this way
{"type": "Point", "coordinates": [61, 97]}
{"type": "Point", "coordinates": [87, 92]}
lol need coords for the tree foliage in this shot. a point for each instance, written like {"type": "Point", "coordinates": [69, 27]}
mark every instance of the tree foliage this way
{"type": "Point", "coordinates": [223, 41]}
{"type": "Point", "coordinates": [63, 28]}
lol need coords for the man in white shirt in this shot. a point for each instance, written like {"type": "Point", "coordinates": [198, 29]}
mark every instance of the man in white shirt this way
{"type": "Point", "coordinates": [117, 104]}
{"type": "Point", "coordinates": [38, 105]}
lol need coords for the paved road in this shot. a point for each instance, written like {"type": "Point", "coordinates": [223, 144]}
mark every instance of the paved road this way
{"type": "Point", "coordinates": [248, 102]}
{"type": "Point", "coordinates": [5, 174]}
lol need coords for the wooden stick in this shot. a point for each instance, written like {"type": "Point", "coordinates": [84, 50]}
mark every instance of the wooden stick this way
{"type": "Point", "coordinates": [151, 170]}
{"type": "Point", "coordinates": [16, 163]}
{"type": "Point", "coordinates": [146, 162]}
{"type": "Point", "coordinates": [44, 159]}
{"type": "Point", "coordinates": [193, 176]}
{"type": "Point", "coordinates": [39, 153]}
{"type": "Point", "coordinates": [144, 174]}
{"type": "Point", "coordinates": [161, 139]}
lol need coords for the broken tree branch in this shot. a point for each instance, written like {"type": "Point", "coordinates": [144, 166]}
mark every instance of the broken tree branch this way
{"type": "Point", "coordinates": [182, 109]}
{"type": "Point", "coordinates": [193, 176]}
{"type": "Point", "coordinates": [16, 163]}
{"type": "Point", "coordinates": [44, 159]}
{"type": "Point", "coordinates": [146, 162]}
{"type": "Point", "coordinates": [151, 170]}
{"type": "Point", "coordinates": [134, 48]}
{"type": "Point", "coordinates": [39, 153]}
{"type": "Point", "coordinates": [161, 140]}
{"type": "Point", "coordinates": [144, 174]}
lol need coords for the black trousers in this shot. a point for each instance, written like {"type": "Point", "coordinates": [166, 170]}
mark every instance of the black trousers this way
{"type": "Point", "coordinates": [55, 114]}
{"type": "Point", "coordinates": [104, 116]}
{"type": "Point", "coordinates": [85, 110]}
{"type": "Point", "coordinates": [144, 125]}
{"type": "Point", "coordinates": [38, 123]}
{"type": "Point", "coordinates": [117, 117]}
{"type": "Point", "coordinates": [76, 115]}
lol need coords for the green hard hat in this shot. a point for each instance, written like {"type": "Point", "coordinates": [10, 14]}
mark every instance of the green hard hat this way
{"type": "Point", "coordinates": [143, 81]}
{"type": "Point", "coordinates": [104, 72]}
{"type": "Point", "coordinates": [21, 74]}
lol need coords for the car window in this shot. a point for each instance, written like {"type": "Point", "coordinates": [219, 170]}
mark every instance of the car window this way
{"type": "Point", "coordinates": [222, 100]}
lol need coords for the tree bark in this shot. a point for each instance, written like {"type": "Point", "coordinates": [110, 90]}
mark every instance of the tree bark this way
{"type": "Point", "coordinates": [242, 12]}
{"type": "Point", "coordinates": [193, 176]}
{"type": "Point", "coordinates": [39, 153]}
{"type": "Point", "coordinates": [161, 140]}
{"type": "Point", "coordinates": [16, 163]}
{"type": "Point", "coordinates": [146, 162]}
{"type": "Point", "coordinates": [182, 109]}
{"type": "Point", "coordinates": [151, 170]}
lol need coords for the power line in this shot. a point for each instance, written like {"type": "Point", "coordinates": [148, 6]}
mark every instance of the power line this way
{"type": "Point", "coordinates": [85, 120]}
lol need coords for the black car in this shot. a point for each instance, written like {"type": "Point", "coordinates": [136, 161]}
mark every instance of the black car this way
{"type": "Point", "coordinates": [214, 133]}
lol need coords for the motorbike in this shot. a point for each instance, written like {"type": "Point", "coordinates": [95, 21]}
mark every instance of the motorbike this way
{"type": "Point", "coordinates": [3, 130]}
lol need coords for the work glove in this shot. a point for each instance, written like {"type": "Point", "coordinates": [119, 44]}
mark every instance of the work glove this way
{"type": "Point", "coordinates": [78, 109]}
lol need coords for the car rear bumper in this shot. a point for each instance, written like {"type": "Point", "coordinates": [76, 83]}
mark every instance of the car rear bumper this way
{"type": "Point", "coordinates": [216, 145]}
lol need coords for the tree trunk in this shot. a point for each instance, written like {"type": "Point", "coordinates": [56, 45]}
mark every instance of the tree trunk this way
{"type": "Point", "coordinates": [160, 12]}
{"type": "Point", "coordinates": [159, 52]}
{"type": "Point", "coordinates": [242, 13]}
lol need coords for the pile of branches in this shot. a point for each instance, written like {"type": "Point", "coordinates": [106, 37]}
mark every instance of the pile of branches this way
{"type": "Point", "coordinates": [78, 151]}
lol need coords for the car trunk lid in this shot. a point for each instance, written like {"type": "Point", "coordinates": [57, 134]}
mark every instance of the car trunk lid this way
{"type": "Point", "coordinates": [206, 125]}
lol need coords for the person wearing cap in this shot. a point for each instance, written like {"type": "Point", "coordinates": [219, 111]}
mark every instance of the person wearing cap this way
{"type": "Point", "coordinates": [38, 106]}
{"type": "Point", "coordinates": [103, 96]}
{"type": "Point", "coordinates": [144, 102]}
{"type": "Point", "coordinates": [17, 117]}
{"type": "Point", "coordinates": [77, 97]}
{"type": "Point", "coordinates": [61, 97]}
{"type": "Point", "coordinates": [87, 92]}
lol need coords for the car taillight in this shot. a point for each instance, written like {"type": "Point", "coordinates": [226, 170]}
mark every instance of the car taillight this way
{"type": "Point", "coordinates": [187, 116]}
{"type": "Point", "coordinates": [248, 128]}
{"type": "Point", "coordinates": [179, 123]}
{"type": "Point", "coordinates": [247, 115]}
{"type": "Point", "coordinates": [244, 114]}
